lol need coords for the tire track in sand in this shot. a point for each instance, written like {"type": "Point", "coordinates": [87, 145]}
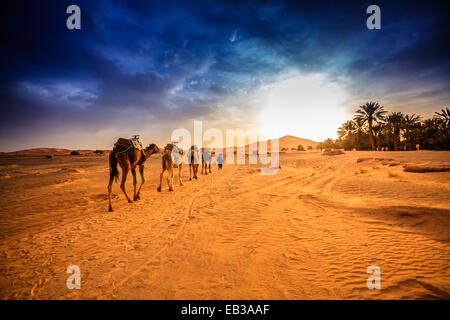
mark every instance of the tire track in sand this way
{"type": "Point", "coordinates": [326, 189]}
{"type": "Point", "coordinates": [293, 178]}
{"type": "Point", "coordinates": [160, 251]}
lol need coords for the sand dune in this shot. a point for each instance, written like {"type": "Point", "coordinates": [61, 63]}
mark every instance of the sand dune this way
{"type": "Point", "coordinates": [44, 151]}
{"type": "Point", "coordinates": [290, 142]}
{"type": "Point", "coordinates": [285, 143]}
{"type": "Point", "coordinates": [308, 232]}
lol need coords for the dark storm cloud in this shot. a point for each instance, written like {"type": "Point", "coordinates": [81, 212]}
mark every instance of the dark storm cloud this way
{"type": "Point", "coordinates": [155, 59]}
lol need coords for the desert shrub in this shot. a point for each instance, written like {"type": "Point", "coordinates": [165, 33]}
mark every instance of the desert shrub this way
{"type": "Point", "coordinates": [393, 164]}
{"type": "Point", "coordinates": [329, 152]}
{"type": "Point", "coordinates": [362, 171]}
{"type": "Point", "coordinates": [329, 144]}
{"type": "Point", "coordinates": [427, 168]}
{"type": "Point", "coordinates": [98, 151]}
{"type": "Point", "coordinates": [75, 153]}
{"type": "Point", "coordinates": [300, 148]}
{"type": "Point", "coordinates": [49, 156]}
{"type": "Point", "coordinates": [283, 149]}
{"type": "Point", "coordinates": [309, 148]}
{"type": "Point", "coordinates": [392, 175]}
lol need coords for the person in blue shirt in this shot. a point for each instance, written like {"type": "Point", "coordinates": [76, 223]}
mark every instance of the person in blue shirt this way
{"type": "Point", "coordinates": [219, 160]}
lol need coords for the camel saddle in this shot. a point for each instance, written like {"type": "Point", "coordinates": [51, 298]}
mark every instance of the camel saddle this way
{"type": "Point", "coordinates": [126, 143]}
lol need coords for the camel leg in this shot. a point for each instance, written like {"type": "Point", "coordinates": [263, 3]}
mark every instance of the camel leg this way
{"type": "Point", "coordinates": [190, 173]}
{"type": "Point", "coordinates": [210, 167]}
{"type": "Point", "coordinates": [133, 171]}
{"type": "Point", "coordinates": [109, 193]}
{"type": "Point", "coordinates": [141, 171]}
{"type": "Point", "coordinates": [170, 179]}
{"type": "Point", "coordinates": [160, 180]}
{"type": "Point", "coordinates": [125, 170]}
{"type": "Point", "coordinates": [179, 176]}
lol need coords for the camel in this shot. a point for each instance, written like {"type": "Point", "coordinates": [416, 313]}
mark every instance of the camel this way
{"type": "Point", "coordinates": [172, 158]}
{"type": "Point", "coordinates": [206, 160]}
{"type": "Point", "coordinates": [128, 158]}
{"type": "Point", "coordinates": [194, 161]}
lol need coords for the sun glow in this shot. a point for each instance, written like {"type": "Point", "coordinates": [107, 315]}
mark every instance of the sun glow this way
{"type": "Point", "coordinates": [307, 106]}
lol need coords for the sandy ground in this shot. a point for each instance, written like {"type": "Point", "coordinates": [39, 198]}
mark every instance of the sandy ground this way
{"type": "Point", "coordinates": [308, 232]}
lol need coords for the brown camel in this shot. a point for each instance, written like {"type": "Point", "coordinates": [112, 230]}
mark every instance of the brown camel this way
{"type": "Point", "coordinates": [206, 160]}
{"type": "Point", "coordinates": [172, 158]}
{"type": "Point", "coordinates": [128, 158]}
{"type": "Point", "coordinates": [194, 161]}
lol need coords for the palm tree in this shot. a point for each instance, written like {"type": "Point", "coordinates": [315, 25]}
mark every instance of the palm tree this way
{"type": "Point", "coordinates": [430, 133]}
{"type": "Point", "coordinates": [378, 133]}
{"type": "Point", "coordinates": [346, 134]}
{"type": "Point", "coordinates": [368, 113]}
{"type": "Point", "coordinates": [359, 125]}
{"type": "Point", "coordinates": [444, 115]}
{"type": "Point", "coordinates": [411, 130]}
{"type": "Point", "coordinates": [396, 121]}
{"type": "Point", "coordinates": [346, 129]}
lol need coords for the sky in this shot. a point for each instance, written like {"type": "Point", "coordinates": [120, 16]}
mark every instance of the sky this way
{"type": "Point", "coordinates": [149, 67]}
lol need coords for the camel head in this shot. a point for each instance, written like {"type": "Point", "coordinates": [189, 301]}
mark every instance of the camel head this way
{"type": "Point", "coordinates": [153, 148]}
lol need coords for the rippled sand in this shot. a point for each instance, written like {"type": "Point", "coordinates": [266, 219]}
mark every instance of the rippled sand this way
{"type": "Point", "coordinates": [308, 232]}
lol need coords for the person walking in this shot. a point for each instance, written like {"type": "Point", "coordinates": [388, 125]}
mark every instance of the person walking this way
{"type": "Point", "coordinates": [219, 161]}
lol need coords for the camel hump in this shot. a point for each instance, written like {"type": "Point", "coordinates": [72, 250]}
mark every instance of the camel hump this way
{"type": "Point", "coordinates": [122, 142]}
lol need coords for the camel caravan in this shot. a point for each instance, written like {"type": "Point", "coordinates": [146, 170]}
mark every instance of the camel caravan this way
{"type": "Point", "coordinates": [130, 155]}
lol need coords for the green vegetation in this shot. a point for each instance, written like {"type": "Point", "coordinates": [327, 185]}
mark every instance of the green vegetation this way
{"type": "Point", "coordinates": [98, 151]}
{"type": "Point", "coordinates": [373, 128]}
{"type": "Point", "coordinates": [75, 153]}
{"type": "Point", "coordinates": [328, 144]}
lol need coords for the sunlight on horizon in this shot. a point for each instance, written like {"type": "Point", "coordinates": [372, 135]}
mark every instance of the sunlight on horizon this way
{"type": "Point", "coordinates": [306, 106]}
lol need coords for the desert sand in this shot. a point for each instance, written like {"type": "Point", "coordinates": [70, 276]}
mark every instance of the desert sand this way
{"type": "Point", "coordinates": [308, 232]}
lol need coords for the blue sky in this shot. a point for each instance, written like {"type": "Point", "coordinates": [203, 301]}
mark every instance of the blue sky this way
{"type": "Point", "coordinates": [149, 67]}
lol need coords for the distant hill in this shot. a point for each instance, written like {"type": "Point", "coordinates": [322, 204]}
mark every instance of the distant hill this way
{"type": "Point", "coordinates": [286, 142]}
{"type": "Point", "coordinates": [45, 151]}
{"type": "Point", "coordinates": [292, 142]}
